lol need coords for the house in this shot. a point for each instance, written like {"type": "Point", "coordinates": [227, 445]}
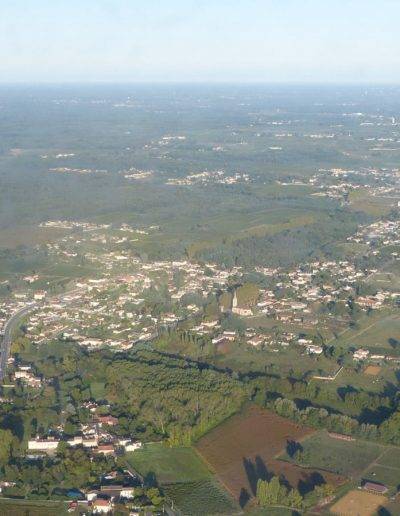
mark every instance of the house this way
{"type": "Point", "coordinates": [128, 493]}
{"type": "Point", "coordinates": [314, 350]}
{"type": "Point", "coordinates": [107, 420]}
{"type": "Point", "coordinates": [361, 354]}
{"type": "Point", "coordinates": [39, 295]}
{"type": "Point", "coordinates": [105, 449]}
{"type": "Point", "coordinates": [130, 446]}
{"type": "Point", "coordinates": [257, 340]}
{"type": "Point", "coordinates": [43, 444]}
{"type": "Point", "coordinates": [101, 506]}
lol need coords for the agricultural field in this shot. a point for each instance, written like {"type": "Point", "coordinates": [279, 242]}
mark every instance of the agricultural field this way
{"type": "Point", "coordinates": [201, 497]}
{"type": "Point", "coordinates": [359, 380]}
{"type": "Point", "coordinates": [386, 469]}
{"type": "Point", "coordinates": [169, 465]}
{"type": "Point", "coordinates": [246, 358]}
{"type": "Point", "coordinates": [244, 448]}
{"type": "Point", "coordinates": [372, 370]}
{"type": "Point", "coordinates": [32, 508]}
{"type": "Point", "coordinates": [357, 503]}
{"type": "Point", "coordinates": [184, 478]}
{"type": "Point", "coordinates": [347, 458]}
{"type": "Point", "coordinates": [378, 333]}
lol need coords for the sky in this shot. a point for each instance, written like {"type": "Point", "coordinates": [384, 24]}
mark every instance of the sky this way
{"type": "Point", "coordinates": [200, 41]}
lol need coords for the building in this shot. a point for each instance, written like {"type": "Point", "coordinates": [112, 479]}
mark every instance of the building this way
{"type": "Point", "coordinates": [101, 506]}
{"type": "Point", "coordinates": [43, 444]}
{"type": "Point", "coordinates": [105, 449]}
{"type": "Point", "coordinates": [373, 487]}
{"type": "Point", "coordinates": [314, 350]}
{"type": "Point", "coordinates": [245, 312]}
{"type": "Point", "coordinates": [360, 354]}
{"type": "Point", "coordinates": [129, 447]}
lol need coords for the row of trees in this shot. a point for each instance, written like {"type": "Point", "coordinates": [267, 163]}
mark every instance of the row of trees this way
{"type": "Point", "coordinates": [273, 492]}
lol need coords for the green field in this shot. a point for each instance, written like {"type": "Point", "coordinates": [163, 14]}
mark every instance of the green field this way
{"type": "Point", "coordinates": [271, 511]}
{"type": "Point", "coordinates": [202, 497]}
{"type": "Point", "coordinates": [374, 332]}
{"type": "Point", "coordinates": [169, 465]}
{"type": "Point", "coordinates": [386, 470]}
{"type": "Point", "coordinates": [31, 508]}
{"type": "Point", "coordinates": [390, 477]}
{"type": "Point", "coordinates": [184, 478]}
{"type": "Point", "coordinates": [348, 458]}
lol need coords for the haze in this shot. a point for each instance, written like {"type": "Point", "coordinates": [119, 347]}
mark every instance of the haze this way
{"type": "Point", "coordinates": [251, 40]}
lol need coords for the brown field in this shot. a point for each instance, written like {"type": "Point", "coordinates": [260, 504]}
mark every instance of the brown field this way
{"type": "Point", "coordinates": [243, 449]}
{"type": "Point", "coordinates": [357, 503]}
{"type": "Point", "coordinates": [372, 370]}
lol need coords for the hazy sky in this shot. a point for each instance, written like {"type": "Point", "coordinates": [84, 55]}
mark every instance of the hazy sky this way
{"type": "Point", "coordinates": [203, 40]}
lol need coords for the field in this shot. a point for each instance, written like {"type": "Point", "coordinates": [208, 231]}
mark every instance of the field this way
{"type": "Point", "coordinates": [32, 508]}
{"type": "Point", "coordinates": [347, 458]}
{"type": "Point", "coordinates": [244, 448]}
{"type": "Point", "coordinates": [169, 465]}
{"type": "Point", "coordinates": [357, 503]}
{"type": "Point", "coordinates": [372, 370]}
{"type": "Point", "coordinates": [386, 469]}
{"type": "Point", "coordinates": [376, 332]}
{"type": "Point", "coordinates": [202, 497]}
{"type": "Point", "coordinates": [185, 479]}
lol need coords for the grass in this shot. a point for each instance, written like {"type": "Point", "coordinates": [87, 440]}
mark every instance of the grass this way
{"type": "Point", "coordinates": [373, 332]}
{"type": "Point", "coordinates": [169, 465]}
{"type": "Point", "coordinates": [201, 497]}
{"type": "Point", "coordinates": [31, 508]}
{"type": "Point", "coordinates": [348, 458]}
{"type": "Point", "coordinates": [390, 477]}
{"type": "Point", "coordinates": [184, 478]}
{"type": "Point", "coordinates": [270, 511]}
{"type": "Point", "coordinates": [391, 458]}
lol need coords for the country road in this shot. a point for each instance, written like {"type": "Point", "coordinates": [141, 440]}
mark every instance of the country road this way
{"type": "Point", "coordinates": [7, 332]}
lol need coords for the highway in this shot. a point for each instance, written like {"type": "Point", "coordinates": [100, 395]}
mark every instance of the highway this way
{"type": "Point", "coordinates": [7, 333]}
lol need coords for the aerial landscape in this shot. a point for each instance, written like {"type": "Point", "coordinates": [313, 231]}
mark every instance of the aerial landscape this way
{"type": "Point", "coordinates": [199, 298]}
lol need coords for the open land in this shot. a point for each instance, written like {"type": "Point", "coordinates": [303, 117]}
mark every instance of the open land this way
{"type": "Point", "coordinates": [244, 448]}
{"type": "Point", "coordinates": [356, 503]}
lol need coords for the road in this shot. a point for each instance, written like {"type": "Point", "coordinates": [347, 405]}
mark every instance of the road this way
{"type": "Point", "coordinates": [7, 333]}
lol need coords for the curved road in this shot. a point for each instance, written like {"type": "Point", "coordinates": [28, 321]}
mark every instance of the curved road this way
{"type": "Point", "coordinates": [7, 332]}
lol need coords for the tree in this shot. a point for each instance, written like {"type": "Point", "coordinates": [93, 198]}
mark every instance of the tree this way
{"type": "Point", "coordinates": [294, 499]}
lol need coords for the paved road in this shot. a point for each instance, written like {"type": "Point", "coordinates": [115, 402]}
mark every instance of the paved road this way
{"type": "Point", "coordinates": [7, 333]}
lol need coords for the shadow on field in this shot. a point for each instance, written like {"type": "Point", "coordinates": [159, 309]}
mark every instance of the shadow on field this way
{"type": "Point", "coordinates": [256, 470]}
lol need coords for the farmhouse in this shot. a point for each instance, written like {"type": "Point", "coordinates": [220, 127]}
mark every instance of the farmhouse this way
{"type": "Point", "coordinates": [360, 354]}
{"type": "Point", "coordinates": [101, 506]}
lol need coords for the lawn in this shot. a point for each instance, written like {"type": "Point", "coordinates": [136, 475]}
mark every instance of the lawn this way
{"type": "Point", "coordinates": [348, 458]}
{"type": "Point", "coordinates": [169, 465]}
